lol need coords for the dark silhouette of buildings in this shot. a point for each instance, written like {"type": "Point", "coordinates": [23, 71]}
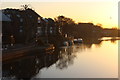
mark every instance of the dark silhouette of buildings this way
{"type": "Point", "coordinates": [26, 26]}
{"type": "Point", "coordinates": [23, 25]}
{"type": "Point", "coordinates": [107, 32]}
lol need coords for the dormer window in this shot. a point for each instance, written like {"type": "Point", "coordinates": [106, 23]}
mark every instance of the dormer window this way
{"type": "Point", "coordinates": [38, 18]}
{"type": "Point", "coordinates": [39, 21]}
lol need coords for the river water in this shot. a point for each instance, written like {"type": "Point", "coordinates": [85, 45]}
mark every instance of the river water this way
{"type": "Point", "coordinates": [91, 59]}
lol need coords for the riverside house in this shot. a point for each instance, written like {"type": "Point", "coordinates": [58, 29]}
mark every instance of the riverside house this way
{"type": "Point", "coordinates": [25, 27]}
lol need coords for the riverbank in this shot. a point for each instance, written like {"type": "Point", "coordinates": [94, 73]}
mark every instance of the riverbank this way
{"type": "Point", "coordinates": [23, 51]}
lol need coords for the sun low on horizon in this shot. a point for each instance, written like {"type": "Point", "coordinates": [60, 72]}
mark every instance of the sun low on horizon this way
{"type": "Point", "coordinates": [105, 13]}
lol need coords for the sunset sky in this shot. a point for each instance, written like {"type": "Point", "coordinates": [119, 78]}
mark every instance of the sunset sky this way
{"type": "Point", "coordinates": [103, 12]}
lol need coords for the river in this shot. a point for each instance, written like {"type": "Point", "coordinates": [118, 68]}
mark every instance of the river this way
{"type": "Point", "coordinates": [91, 59]}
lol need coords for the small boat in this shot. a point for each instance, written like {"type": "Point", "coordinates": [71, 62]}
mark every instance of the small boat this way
{"type": "Point", "coordinates": [70, 42]}
{"type": "Point", "coordinates": [65, 43]}
{"type": "Point", "coordinates": [79, 40]}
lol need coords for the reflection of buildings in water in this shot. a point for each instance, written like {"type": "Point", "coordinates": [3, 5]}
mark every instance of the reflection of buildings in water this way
{"type": "Point", "coordinates": [113, 41]}
{"type": "Point", "coordinates": [66, 58]}
{"type": "Point", "coordinates": [21, 69]}
{"type": "Point", "coordinates": [87, 44]}
{"type": "Point", "coordinates": [29, 66]}
{"type": "Point", "coordinates": [81, 47]}
{"type": "Point", "coordinates": [91, 41]}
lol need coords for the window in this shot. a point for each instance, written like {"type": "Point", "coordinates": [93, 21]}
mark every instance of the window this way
{"type": "Point", "coordinates": [39, 20]}
{"type": "Point", "coordinates": [39, 30]}
{"type": "Point", "coordinates": [30, 16]}
{"type": "Point", "coordinates": [18, 15]}
{"type": "Point", "coordinates": [59, 29]}
{"type": "Point", "coordinates": [51, 30]}
{"type": "Point", "coordinates": [20, 30]}
{"type": "Point", "coordinates": [9, 15]}
{"type": "Point", "coordinates": [21, 20]}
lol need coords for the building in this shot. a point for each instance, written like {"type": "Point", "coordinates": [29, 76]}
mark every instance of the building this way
{"type": "Point", "coordinates": [47, 27]}
{"type": "Point", "coordinates": [26, 26]}
{"type": "Point", "coordinates": [6, 32]}
{"type": "Point", "coordinates": [23, 25]}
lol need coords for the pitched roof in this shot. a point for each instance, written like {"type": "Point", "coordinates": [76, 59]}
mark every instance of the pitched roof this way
{"type": "Point", "coordinates": [3, 17]}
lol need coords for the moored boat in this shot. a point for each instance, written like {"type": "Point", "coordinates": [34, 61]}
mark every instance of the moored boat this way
{"type": "Point", "coordinates": [78, 40]}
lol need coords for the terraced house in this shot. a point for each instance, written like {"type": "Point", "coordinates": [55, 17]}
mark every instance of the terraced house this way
{"type": "Point", "coordinates": [26, 26]}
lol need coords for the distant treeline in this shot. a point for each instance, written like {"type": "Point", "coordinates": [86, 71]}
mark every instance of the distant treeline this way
{"type": "Point", "coordinates": [84, 30]}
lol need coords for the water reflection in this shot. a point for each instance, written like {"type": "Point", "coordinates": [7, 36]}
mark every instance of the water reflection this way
{"type": "Point", "coordinates": [66, 57]}
{"type": "Point", "coordinates": [89, 42]}
{"type": "Point", "coordinates": [29, 66]}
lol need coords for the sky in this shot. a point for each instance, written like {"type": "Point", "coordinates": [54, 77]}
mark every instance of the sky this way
{"type": "Point", "coordinates": [99, 11]}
